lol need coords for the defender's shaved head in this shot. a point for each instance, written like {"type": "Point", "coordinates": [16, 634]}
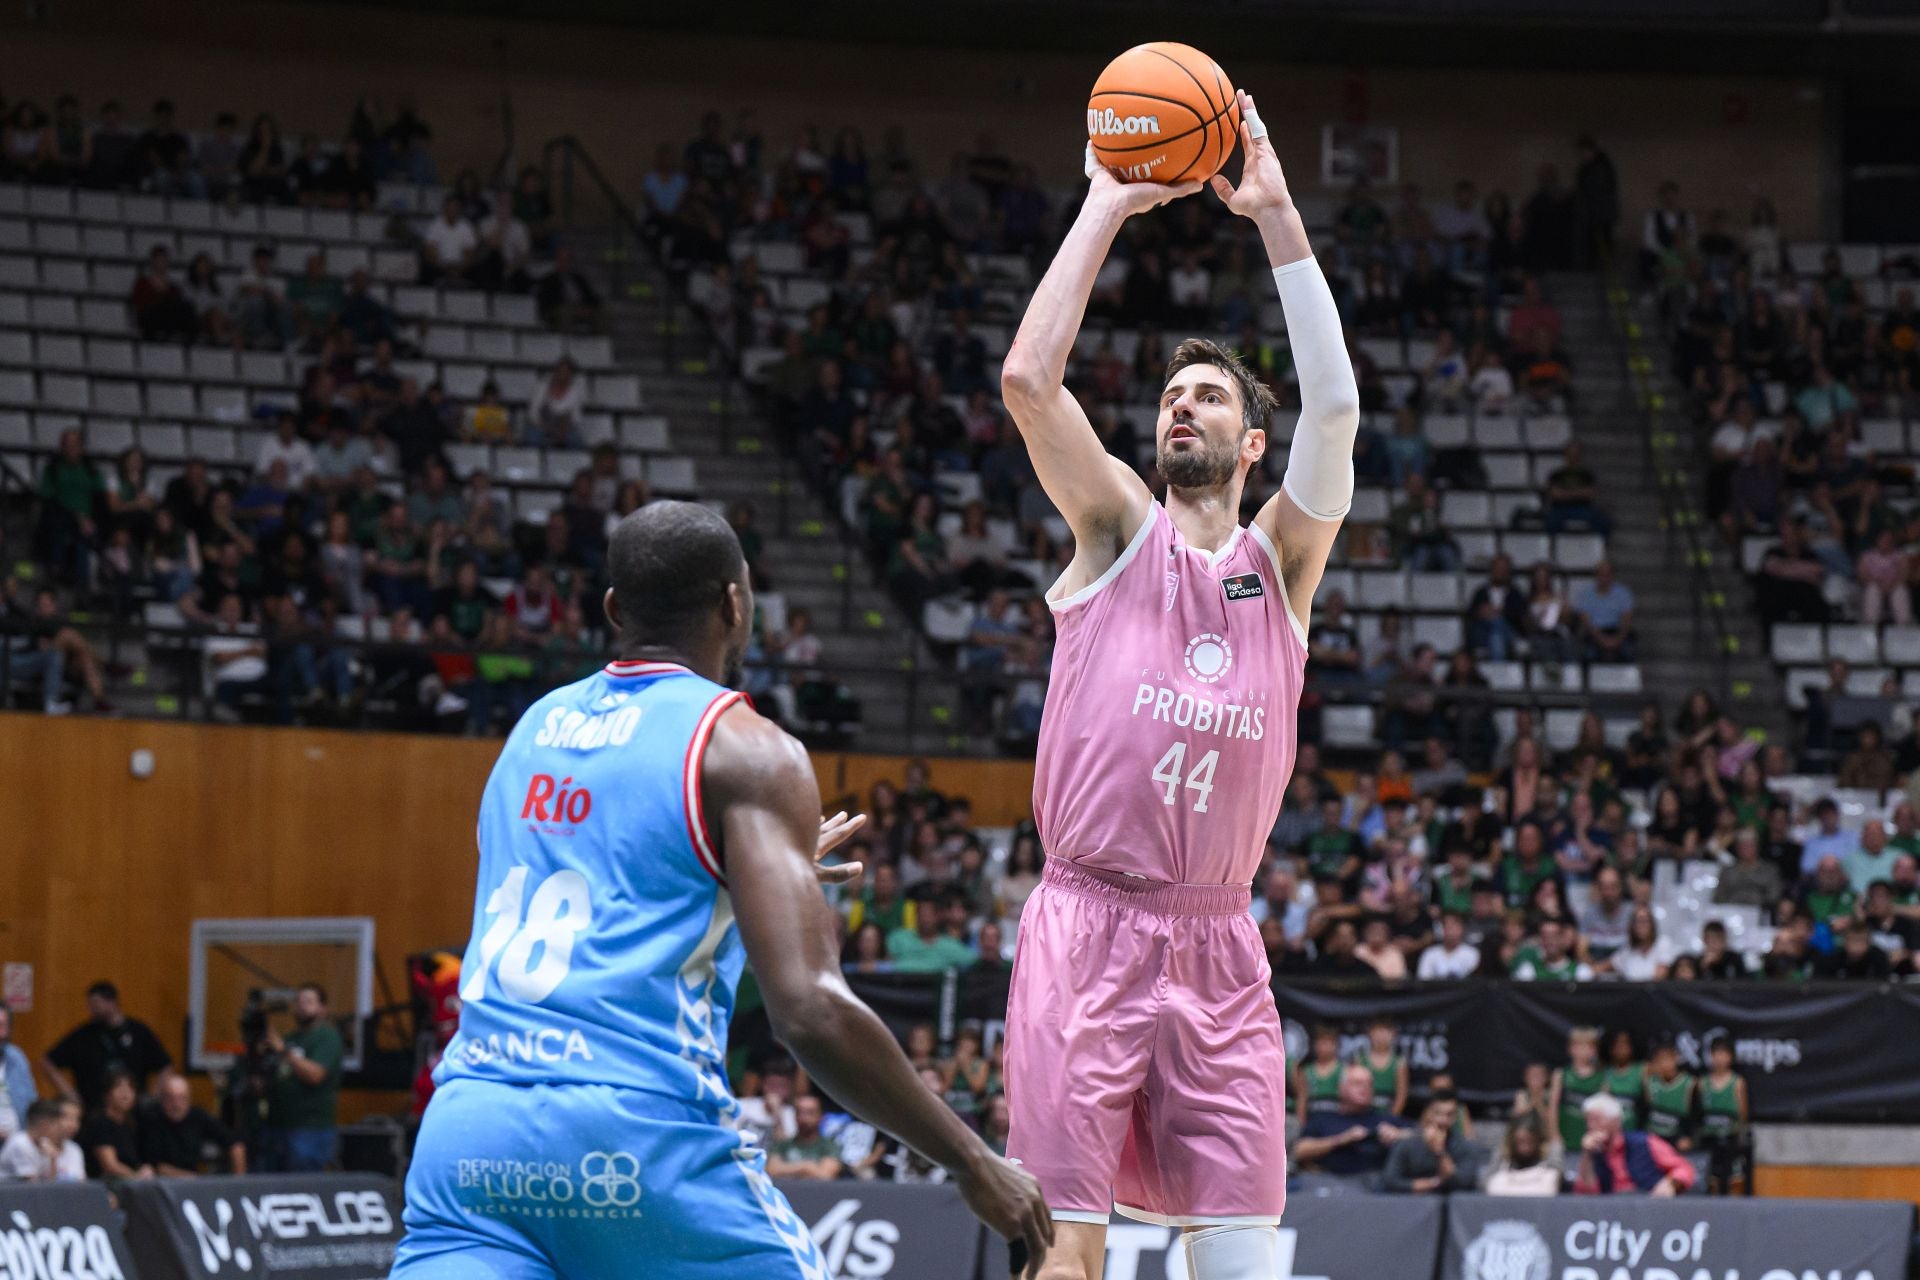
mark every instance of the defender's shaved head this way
{"type": "Point", "coordinates": [679, 581]}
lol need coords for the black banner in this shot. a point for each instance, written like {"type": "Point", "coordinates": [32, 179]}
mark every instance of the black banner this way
{"type": "Point", "coordinates": [270, 1227]}
{"type": "Point", "coordinates": [1826, 1051]}
{"type": "Point", "coordinates": [1590, 1238]}
{"type": "Point", "coordinates": [61, 1229]}
{"type": "Point", "coordinates": [880, 1229]}
{"type": "Point", "coordinates": [1334, 1237]}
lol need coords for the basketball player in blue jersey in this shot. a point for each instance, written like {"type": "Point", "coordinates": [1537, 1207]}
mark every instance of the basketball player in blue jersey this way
{"type": "Point", "coordinates": [644, 834]}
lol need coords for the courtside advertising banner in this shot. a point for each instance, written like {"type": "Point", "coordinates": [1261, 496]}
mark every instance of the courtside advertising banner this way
{"type": "Point", "coordinates": [62, 1229]}
{"type": "Point", "coordinates": [270, 1227]}
{"type": "Point", "coordinates": [1832, 1051]}
{"type": "Point", "coordinates": [1689, 1238]}
{"type": "Point", "coordinates": [871, 1230]}
{"type": "Point", "coordinates": [1338, 1237]}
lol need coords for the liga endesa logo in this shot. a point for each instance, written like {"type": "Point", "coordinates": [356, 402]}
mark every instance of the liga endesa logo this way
{"type": "Point", "coordinates": [556, 807]}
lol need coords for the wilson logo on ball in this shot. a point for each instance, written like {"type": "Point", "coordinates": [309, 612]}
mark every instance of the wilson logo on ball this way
{"type": "Point", "coordinates": [1110, 123]}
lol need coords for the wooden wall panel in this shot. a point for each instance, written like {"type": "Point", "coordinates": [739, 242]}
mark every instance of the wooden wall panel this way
{"type": "Point", "coordinates": [1836, 1182]}
{"type": "Point", "coordinates": [102, 874]}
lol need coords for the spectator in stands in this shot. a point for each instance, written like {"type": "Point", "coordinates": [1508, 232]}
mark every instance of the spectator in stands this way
{"type": "Point", "coordinates": [806, 1154]}
{"type": "Point", "coordinates": [1869, 766]}
{"type": "Point", "coordinates": [110, 1136]}
{"type": "Point", "coordinates": [1666, 227]}
{"type": "Point", "coordinates": [175, 1134]}
{"type": "Point", "coordinates": [1352, 1139]}
{"type": "Point", "coordinates": [112, 149]}
{"type": "Point", "coordinates": [1825, 401]}
{"type": "Point", "coordinates": [315, 299]}
{"type": "Point", "coordinates": [1569, 498]}
{"type": "Point", "coordinates": [303, 1097]}
{"type": "Point", "coordinates": [1885, 593]}
{"type": "Point", "coordinates": [1420, 539]}
{"type": "Point", "coordinates": [286, 447]}
{"type": "Point", "coordinates": [929, 946]}
{"type": "Point", "coordinates": [1748, 880]}
{"type": "Point", "coordinates": [505, 247]}
{"type": "Point", "coordinates": [1873, 860]}
{"type": "Point", "coordinates": [1829, 840]}
{"type": "Point", "coordinates": [1603, 613]}
{"type": "Point", "coordinates": [1489, 383]}
{"type": "Point", "coordinates": [553, 415]}
{"type": "Point", "coordinates": [1614, 1160]}
{"type": "Point", "coordinates": [1856, 958]}
{"type": "Point", "coordinates": [1497, 613]}
{"type": "Point", "coordinates": [1553, 960]}
{"type": "Point", "coordinates": [43, 1149]}
{"type": "Point", "coordinates": [17, 1089]}
{"type": "Point", "coordinates": [1433, 1160]}
{"type": "Point", "coordinates": [260, 303]}
{"type": "Point", "coordinates": [163, 157]}
{"type": "Point", "coordinates": [567, 299]}
{"type": "Point", "coordinates": [1533, 315]}
{"type": "Point", "coordinates": [71, 491]}
{"type": "Point", "coordinates": [1716, 960]}
{"type": "Point", "coordinates": [264, 164]}
{"type": "Point", "coordinates": [1646, 955]}
{"type": "Point", "coordinates": [1828, 896]}
{"type": "Point", "coordinates": [449, 245]}
{"type": "Point", "coordinates": [1452, 956]}
{"type": "Point", "coordinates": [1545, 372]}
{"type": "Point", "coordinates": [1549, 616]}
{"type": "Point", "coordinates": [27, 147]}
{"type": "Point", "coordinates": [202, 291]}
{"type": "Point", "coordinates": [1788, 587]}
{"type": "Point", "coordinates": [161, 310]}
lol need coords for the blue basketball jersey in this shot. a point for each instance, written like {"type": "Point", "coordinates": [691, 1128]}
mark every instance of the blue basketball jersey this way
{"type": "Point", "coordinates": [604, 949]}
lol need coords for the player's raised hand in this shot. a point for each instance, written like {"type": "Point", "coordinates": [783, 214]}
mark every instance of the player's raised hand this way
{"type": "Point", "coordinates": [1131, 197]}
{"type": "Point", "coordinates": [834, 832]}
{"type": "Point", "coordinates": [1262, 185]}
{"type": "Point", "coordinates": [1007, 1199]}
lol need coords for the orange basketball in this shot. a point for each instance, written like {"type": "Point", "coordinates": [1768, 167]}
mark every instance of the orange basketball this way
{"type": "Point", "coordinates": [1163, 112]}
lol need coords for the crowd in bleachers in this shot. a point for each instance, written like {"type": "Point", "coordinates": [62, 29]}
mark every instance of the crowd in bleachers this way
{"type": "Point", "coordinates": [366, 410]}
{"type": "Point", "coordinates": [1549, 873]}
{"type": "Point", "coordinates": [1800, 363]}
{"type": "Point", "coordinates": [871, 305]}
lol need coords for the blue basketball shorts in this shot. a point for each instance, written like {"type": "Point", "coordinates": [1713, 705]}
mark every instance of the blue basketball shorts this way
{"type": "Point", "coordinates": [581, 1182]}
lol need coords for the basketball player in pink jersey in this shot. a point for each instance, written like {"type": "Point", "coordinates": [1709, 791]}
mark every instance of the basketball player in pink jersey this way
{"type": "Point", "coordinates": [1144, 1058]}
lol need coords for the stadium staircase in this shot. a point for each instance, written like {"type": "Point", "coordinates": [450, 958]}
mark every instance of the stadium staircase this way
{"type": "Point", "coordinates": [810, 560]}
{"type": "Point", "coordinates": [1695, 628]}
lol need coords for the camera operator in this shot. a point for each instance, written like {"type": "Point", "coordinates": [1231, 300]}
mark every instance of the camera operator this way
{"type": "Point", "coordinates": [303, 1091]}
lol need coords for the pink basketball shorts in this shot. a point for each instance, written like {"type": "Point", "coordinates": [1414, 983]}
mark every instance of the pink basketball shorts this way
{"type": "Point", "coordinates": [1145, 1067]}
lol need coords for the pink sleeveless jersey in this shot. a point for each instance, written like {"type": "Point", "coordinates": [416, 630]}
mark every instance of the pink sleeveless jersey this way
{"type": "Point", "coordinates": [1171, 717]}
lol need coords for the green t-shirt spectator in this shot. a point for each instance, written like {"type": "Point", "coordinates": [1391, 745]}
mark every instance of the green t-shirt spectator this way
{"type": "Point", "coordinates": [1329, 849]}
{"type": "Point", "coordinates": [1518, 881]}
{"type": "Point", "coordinates": [913, 954]}
{"type": "Point", "coordinates": [76, 486]}
{"type": "Point", "coordinates": [292, 1105]}
{"type": "Point", "coordinates": [1822, 905]}
{"type": "Point", "coordinates": [316, 301]}
{"type": "Point", "coordinates": [797, 1151]}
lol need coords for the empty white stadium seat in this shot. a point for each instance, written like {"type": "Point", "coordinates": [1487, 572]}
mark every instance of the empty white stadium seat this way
{"type": "Point", "coordinates": [1345, 726]}
{"type": "Point", "coordinates": [1613, 677]}
{"type": "Point", "coordinates": [1527, 549]}
{"type": "Point", "coordinates": [671, 475]}
{"type": "Point", "coordinates": [1497, 433]}
{"type": "Point", "coordinates": [1446, 430]}
{"type": "Point", "coordinates": [948, 620]}
{"type": "Point", "coordinates": [645, 432]}
{"type": "Point", "coordinates": [1856, 644]}
{"type": "Point", "coordinates": [617, 391]}
{"type": "Point", "coordinates": [1370, 506]}
{"type": "Point", "coordinates": [215, 444]}
{"type": "Point", "coordinates": [160, 360]}
{"type": "Point", "coordinates": [1382, 591]}
{"type": "Point", "coordinates": [1901, 646]}
{"type": "Point", "coordinates": [1555, 677]}
{"type": "Point", "coordinates": [1507, 471]}
{"type": "Point", "coordinates": [1466, 510]}
{"type": "Point", "coordinates": [1445, 634]}
{"type": "Point", "coordinates": [1795, 642]}
{"type": "Point", "coordinates": [1434, 592]}
{"type": "Point", "coordinates": [1505, 677]}
{"type": "Point", "coordinates": [1578, 552]}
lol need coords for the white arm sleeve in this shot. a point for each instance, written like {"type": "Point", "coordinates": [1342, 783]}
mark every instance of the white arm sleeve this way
{"type": "Point", "coordinates": [1319, 475]}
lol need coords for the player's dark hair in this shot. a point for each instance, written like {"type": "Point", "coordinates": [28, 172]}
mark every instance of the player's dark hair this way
{"type": "Point", "coordinates": [670, 564]}
{"type": "Point", "coordinates": [316, 988]}
{"type": "Point", "coordinates": [105, 990]}
{"type": "Point", "coordinates": [1256, 401]}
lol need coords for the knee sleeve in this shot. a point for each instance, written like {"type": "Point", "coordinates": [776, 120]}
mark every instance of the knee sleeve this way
{"type": "Point", "coordinates": [1231, 1253]}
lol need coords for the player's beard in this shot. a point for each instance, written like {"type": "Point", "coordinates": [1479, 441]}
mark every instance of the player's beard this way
{"type": "Point", "coordinates": [1211, 466]}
